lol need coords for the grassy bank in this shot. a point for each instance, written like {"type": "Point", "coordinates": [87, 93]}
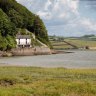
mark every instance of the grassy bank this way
{"type": "Point", "coordinates": [30, 81]}
{"type": "Point", "coordinates": [80, 43]}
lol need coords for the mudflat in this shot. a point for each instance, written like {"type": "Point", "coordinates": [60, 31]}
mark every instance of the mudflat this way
{"type": "Point", "coordinates": [76, 59]}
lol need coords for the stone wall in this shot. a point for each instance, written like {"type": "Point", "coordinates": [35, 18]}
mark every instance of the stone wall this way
{"type": "Point", "coordinates": [31, 51]}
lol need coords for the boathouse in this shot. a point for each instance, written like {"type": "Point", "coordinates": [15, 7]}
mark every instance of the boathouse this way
{"type": "Point", "coordinates": [23, 41]}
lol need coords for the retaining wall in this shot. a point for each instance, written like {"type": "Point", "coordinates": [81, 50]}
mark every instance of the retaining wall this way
{"type": "Point", "coordinates": [31, 51]}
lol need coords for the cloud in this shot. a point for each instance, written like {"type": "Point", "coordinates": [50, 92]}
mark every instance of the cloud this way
{"type": "Point", "coordinates": [73, 4]}
{"type": "Point", "coordinates": [58, 9]}
{"type": "Point", "coordinates": [64, 17]}
{"type": "Point", "coordinates": [33, 5]}
{"type": "Point", "coordinates": [88, 24]}
{"type": "Point", "coordinates": [48, 3]}
{"type": "Point", "coordinates": [44, 14]}
{"type": "Point", "coordinates": [48, 9]}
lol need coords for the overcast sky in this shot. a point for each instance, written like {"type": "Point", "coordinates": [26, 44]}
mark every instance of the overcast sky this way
{"type": "Point", "coordinates": [65, 17]}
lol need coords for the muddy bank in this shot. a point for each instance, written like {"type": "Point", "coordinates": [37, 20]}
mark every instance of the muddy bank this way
{"type": "Point", "coordinates": [26, 52]}
{"type": "Point", "coordinates": [78, 59]}
{"type": "Point", "coordinates": [5, 54]}
{"type": "Point", "coordinates": [59, 51]}
{"type": "Point", "coordinates": [31, 52]}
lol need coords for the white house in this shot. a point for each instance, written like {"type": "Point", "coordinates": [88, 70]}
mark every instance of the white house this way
{"type": "Point", "coordinates": [23, 41]}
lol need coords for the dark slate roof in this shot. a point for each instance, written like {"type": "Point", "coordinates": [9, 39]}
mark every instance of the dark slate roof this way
{"type": "Point", "coordinates": [23, 37]}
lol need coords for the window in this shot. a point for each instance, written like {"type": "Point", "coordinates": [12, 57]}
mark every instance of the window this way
{"type": "Point", "coordinates": [19, 40]}
{"type": "Point", "coordinates": [26, 41]}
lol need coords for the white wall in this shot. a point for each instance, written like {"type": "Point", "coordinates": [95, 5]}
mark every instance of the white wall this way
{"type": "Point", "coordinates": [29, 41]}
{"type": "Point", "coordinates": [23, 41]}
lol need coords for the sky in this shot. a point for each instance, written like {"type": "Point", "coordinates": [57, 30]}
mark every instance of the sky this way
{"type": "Point", "coordinates": [65, 17]}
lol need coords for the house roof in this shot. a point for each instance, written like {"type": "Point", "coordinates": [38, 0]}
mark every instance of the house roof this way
{"type": "Point", "coordinates": [23, 37]}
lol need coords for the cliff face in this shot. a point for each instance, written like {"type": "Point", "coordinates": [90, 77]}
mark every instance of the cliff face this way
{"type": "Point", "coordinates": [18, 16]}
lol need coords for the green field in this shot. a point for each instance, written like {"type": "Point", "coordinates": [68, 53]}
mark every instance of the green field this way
{"type": "Point", "coordinates": [31, 81]}
{"type": "Point", "coordinates": [80, 43]}
{"type": "Point", "coordinates": [60, 45]}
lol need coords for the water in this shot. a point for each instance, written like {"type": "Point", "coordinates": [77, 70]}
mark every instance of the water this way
{"type": "Point", "coordinates": [77, 59]}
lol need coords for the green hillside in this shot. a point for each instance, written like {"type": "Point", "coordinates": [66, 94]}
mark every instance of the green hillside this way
{"type": "Point", "coordinates": [12, 16]}
{"type": "Point", "coordinates": [79, 42]}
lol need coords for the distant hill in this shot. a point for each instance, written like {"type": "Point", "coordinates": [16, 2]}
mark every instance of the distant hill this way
{"type": "Point", "coordinates": [14, 15]}
{"type": "Point", "coordinates": [89, 37]}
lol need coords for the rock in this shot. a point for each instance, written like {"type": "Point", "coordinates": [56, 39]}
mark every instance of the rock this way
{"type": "Point", "coordinates": [6, 54]}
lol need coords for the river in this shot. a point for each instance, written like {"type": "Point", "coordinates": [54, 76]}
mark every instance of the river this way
{"type": "Point", "coordinates": [77, 59]}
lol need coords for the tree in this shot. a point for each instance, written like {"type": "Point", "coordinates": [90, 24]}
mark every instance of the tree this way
{"type": "Point", "coordinates": [6, 29]}
{"type": "Point", "coordinates": [3, 44]}
{"type": "Point", "coordinates": [15, 18]}
{"type": "Point", "coordinates": [11, 43]}
{"type": "Point", "coordinates": [40, 29]}
{"type": "Point", "coordinates": [6, 26]}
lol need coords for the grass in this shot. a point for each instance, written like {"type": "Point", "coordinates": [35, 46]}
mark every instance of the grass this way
{"type": "Point", "coordinates": [60, 45]}
{"type": "Point", "coordinates": [80, 43]}
{"type": "Point", "coordinates": [31, 81]}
